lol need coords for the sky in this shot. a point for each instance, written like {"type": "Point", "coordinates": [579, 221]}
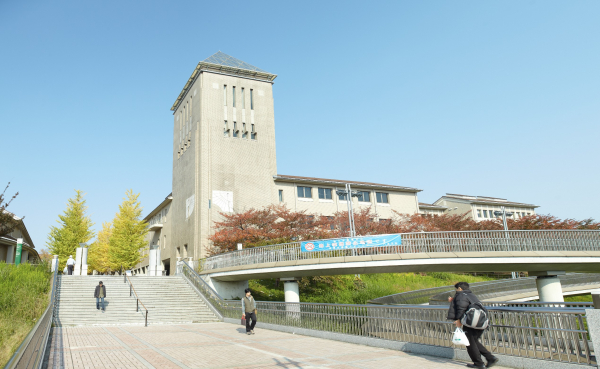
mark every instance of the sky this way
{"type": "Point", "coordinates": [494, 98]}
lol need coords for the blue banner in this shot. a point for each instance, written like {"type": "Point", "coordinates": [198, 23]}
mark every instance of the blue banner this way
{"type": "Point", "coordinates": [351, 243]}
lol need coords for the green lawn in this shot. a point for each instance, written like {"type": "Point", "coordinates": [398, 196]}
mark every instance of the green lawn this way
{"type": "Point", "coordinates": [348, 289]}
{"type": "Point", "coordinates": [24, 293]}
{"type": "Point", "coordinates": [579, 298]}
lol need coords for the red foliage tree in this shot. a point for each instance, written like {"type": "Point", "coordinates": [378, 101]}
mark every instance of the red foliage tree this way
{"type": "Point", "coordinates": [278, 224]}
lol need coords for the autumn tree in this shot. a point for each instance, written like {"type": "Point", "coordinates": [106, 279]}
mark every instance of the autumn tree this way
{"type": "Point", "coordinates": [98, 258]}
{"type": "Point", "coordinates": [8, 221]}
{"type": "Point", "coordinates": [128, 239]}
{"type": "Point", "coordinates": [75, 227]}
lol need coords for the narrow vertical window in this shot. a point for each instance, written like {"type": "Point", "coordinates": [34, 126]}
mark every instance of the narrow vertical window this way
{"type": "Point", "coordinates": [233, 92]}
{"type": "Point", "coordinates": [225, 95]}
{"type": "Point", "coordinates": [280, 195]}
{"type": "Point", "coordinates": [253, 133]}
{"type": "Point", "coordinates": [251, 99]}
{"type": "Point", "coordinates": [225, 130]}
{"type": "Point", "coordinates": [235, 130]}
{"type": "Point", "coordinates": [244, 131]}
{"type": "Point", "coordinates": [243, 99]}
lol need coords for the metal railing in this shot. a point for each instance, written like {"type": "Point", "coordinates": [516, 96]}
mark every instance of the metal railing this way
{"type": "Point", "coordinates": [554, 334]}
{"type": "Point", "coordinates": [538, 333]}
{"type": "Point", "coordinates": [132, 292]}
{"type": "Point", "coordinates": [422, 242]}
{"type": "Point", "coordinates": [484, 290]}
{"type": "Point", "coordinates": [30, 354]}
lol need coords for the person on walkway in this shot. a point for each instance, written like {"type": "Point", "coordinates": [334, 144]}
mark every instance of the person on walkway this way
{"type": "Point", "coordinates": [458, 307]}
{"type": "Point", "coordinates": [70, 265]}
{"type": "Point", "coordinates": [249, 311]}
{"type": "Point", "coordinates": [100, 294]}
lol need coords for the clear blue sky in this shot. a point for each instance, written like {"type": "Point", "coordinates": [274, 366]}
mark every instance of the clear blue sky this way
{"type": "Point", "coordinates": [494, 98]}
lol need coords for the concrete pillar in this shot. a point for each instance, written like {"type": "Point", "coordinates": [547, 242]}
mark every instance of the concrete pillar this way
{"type": "Point", "coordinates": [152, 261]}
{"type": "Point", "coordinates": [54, 263]}
{"type": "Point", "coordinates": [10, 255]}
{"type": "Point", "coordinates": [292, 297]}
{"type": "Point", "coordinates": [84, 264]}
{"type": "Point", "coordinates": [548, 286]}
{"type": "Point", "coordinates": [77, 269]}
{"type": "Point", "coordinates": [596, 298]}
{"type": "Point", "coordinates": [159, 265]}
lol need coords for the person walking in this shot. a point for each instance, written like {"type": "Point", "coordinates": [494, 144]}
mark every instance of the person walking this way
{"type": "Point", "coordinates": [458, 307]}
{"type": "Point", "coordinates": [100, 294]}
{"type": "Point", "coordinates": [249, 311]}
{"type": "Point", "coordinates": [70, 265]}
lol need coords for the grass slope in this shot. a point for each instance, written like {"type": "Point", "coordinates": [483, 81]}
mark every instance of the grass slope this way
{"type": "Point", "coordinates": [348, 289]}
{"type": "Point", "coordinates": [24, 296]}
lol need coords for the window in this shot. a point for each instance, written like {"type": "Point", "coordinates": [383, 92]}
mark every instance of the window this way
{"type": "Point", "coordinates": [235, 130]}
{"type": "Point", "coordinates": [343, 197]}
{"type": "Point", "coordinates": [364, 196]}
{"type": "Point", "coordinates": [253, 133]}
{"type": "Point", "coordinates": [233, 101]}
{"type": "Point", "coordinates": [382, 197]}
{"type": "Point", "coordinates": [164, 242]}
{"type": "Point", "coordinates": [226, 130]}
{"type": "Point", "coordinates": [325, 193]}
{"type": "Point", "coordinates": [305, 192]}
{"type": "Point", "coordinates": [225, 95]}
{"type": "Point", "coordinates": [243, 99]}
{"type": "Point", "coordinates": [485, 213]}
{"type": "Point", "coordinates": [280, 195]}
{"type": "Point", "coordinates": [244, 131]}
{"type": "Point", "coordinates": [478, 213]}
{"type": "Point", "coordinates": [185, 252]}
{"type": "Point", "coordinates": [179, 252]}
{"type": "Point", "coordinates": [251, 99]}
{"type": "Point", "coordinates": [385, 221]}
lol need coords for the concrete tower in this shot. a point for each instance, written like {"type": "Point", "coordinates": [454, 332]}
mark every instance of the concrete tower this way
{"type": "Point", "coordinates": [223, 149]}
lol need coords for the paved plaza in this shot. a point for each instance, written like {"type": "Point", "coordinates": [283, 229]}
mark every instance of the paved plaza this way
{"type": "Point", "coordinates": [218, 345]}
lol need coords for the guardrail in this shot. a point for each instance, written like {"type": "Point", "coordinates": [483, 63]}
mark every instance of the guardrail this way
{"type": "Point", "coordinates": [132, 292]}
{"type": "Point", "coordinates": [422, 242]}
{"type": "Point", "coordinates": [554, 334]}
{"type": "Point", "coordinates": [484, 290]}
{"type": "Point", "coordinates": [30, 354]}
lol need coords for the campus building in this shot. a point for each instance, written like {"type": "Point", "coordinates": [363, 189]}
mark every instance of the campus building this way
{"type": "Point", "coordinates": [8, 244]}
{"type": "Point", "coordinates": [483, 207]}
{"type": "Point", "coordinates": [224, 160]}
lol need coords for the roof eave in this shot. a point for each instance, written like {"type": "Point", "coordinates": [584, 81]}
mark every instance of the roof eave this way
{"type": "Point", "coordinates": [209, 67]}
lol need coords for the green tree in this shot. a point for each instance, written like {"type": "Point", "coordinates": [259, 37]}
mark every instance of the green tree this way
{"type": "Point", "coordinates": [8, 221]}
{"type": "Point", "coordinates": [74, 228]}
{"type": "Point", "coordinates": [98, 251]}
{"type": "Point", "coordinates": [128, 240]}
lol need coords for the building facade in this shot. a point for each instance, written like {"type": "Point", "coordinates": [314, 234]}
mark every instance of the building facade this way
{"type": "Point", "coordinates": [482, 207]}
{"type": "Point", "coordinates": [8, 244]}
{"type": "Point", "coordinates": [430, 209]}
{"type": "Point", "coordinates": [224, 160]}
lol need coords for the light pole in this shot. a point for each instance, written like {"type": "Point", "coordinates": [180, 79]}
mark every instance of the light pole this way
{"type": "Point", "coordinates": [504, 214]}
{"type": "Point", "coordinates": [349, 195]}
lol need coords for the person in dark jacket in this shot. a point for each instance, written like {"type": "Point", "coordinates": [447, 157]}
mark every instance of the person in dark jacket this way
{"type": "Point", "coordinates": [458, 307]}
{"type": "Point", "coordinates": [100, 294]}
{"type": "Point", "coordinates": [249, 311]}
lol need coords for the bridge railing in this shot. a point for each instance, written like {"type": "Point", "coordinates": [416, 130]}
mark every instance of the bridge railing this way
{"type": "Point", "coordinates": [422, 242]}
{"type": "Point", "coordinates": [484, 290]}
{"type": "Point", "coordinates": [30, 354]}
{"type": "Point", "coordinates": [538, 333]}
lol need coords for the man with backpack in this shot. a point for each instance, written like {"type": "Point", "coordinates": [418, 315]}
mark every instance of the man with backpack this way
{"type": "Point", "coordinates": [469, 314]}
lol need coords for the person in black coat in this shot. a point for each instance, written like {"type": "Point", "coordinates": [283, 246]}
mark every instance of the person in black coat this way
{"type": "Point", "coordinates": [100, 294]}
{"type": "Point", "coordinates": [458, 307]}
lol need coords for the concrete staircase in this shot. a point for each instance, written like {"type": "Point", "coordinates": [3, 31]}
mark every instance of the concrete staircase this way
{"type": "Point", "coordinates": [169, 300]}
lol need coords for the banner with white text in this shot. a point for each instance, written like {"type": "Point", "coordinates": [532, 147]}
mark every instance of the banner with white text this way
{"type": "Point", "coordinates": [351, 243]}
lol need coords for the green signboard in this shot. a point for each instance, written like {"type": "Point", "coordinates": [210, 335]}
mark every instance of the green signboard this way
{"type": "Point", "coordinates": [19, 251]}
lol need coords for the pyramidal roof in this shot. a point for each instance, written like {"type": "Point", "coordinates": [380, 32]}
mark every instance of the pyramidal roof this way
{"type": "Point", "coordinates": [221, 58]}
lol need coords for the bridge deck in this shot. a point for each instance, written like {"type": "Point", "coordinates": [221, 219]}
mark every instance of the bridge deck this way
{"type": "Point", "coordinates": [218, 345]}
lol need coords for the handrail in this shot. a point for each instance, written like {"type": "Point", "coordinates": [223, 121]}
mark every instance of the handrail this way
{"type": "Point", "coordinates": [421, 242]}
{"type": "Point", "coordinates": [30, 354]}
{"type": "Point", "coordinates": [137, 298]}
{"type": "Point", "coordinates": [214, 301]}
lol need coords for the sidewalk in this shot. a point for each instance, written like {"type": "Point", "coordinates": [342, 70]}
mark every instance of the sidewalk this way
{"type": "Point", "coordinates": [218, 345]}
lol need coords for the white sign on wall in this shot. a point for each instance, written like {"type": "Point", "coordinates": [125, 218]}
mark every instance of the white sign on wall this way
{"type": "Point", "coordinates": [189, 206]}
{"type": "Point", "coordinates": [224, 200]}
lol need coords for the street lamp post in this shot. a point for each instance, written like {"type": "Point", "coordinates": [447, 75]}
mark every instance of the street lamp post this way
{"type": "Point", "coordinates": [349, 195]}
{"type": "Point", "coordinates": [504, 214]}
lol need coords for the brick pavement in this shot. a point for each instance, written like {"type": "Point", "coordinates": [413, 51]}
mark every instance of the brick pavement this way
{"type": "Point", "coordinates": [218, 345]}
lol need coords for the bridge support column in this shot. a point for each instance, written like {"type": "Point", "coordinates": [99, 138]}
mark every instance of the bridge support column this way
{"type": "Point", "coordinates": [291, 289]}
{"type": "Point", "coordinates": [228, 290]}
{"type": "Point", "coordinates": [548, 286]}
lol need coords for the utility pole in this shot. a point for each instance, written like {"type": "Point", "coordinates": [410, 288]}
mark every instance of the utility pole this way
{"type": "Point", "coordinates": [349, 195]}
{"type": "Point", "coordinates": [504, 214]}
